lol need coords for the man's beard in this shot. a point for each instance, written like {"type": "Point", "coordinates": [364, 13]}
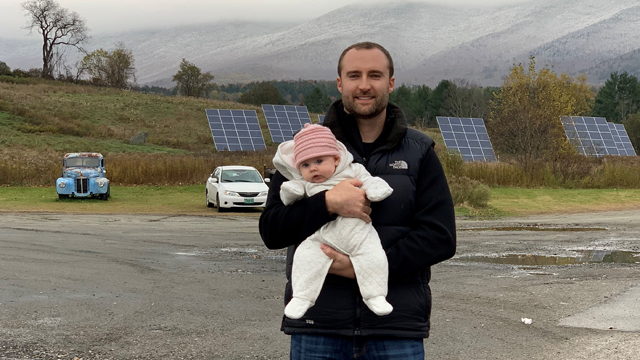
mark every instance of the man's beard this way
{"type": "Point", "coordinates": [379, 105]}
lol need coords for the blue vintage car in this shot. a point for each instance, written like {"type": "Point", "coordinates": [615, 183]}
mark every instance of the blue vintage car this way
{"type": "Point", "coordinates": [83, 176]}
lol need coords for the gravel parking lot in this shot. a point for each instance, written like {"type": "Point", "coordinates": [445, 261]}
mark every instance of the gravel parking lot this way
{"type": "Point", "coordinates": [177, 287]}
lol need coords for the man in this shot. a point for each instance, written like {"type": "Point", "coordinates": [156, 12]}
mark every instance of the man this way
{"type": "Point", "coordinates": [416, 223]}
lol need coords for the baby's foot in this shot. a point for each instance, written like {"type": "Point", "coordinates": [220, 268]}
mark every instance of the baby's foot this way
{"type": "Point", "coordinates": [379, 305]}
{"type": "Point", "coordinates": [297, 308]}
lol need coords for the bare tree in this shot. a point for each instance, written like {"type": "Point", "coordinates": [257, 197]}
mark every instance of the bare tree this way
{"type": "Point", "coordinates": [57, 26]}
{"type": "Point", "coordinates": [464, 99]}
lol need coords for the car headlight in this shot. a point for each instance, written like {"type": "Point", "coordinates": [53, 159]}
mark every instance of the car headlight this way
{"type": "Point", "coordinates": [230, 193]}
{"type": "Point", "coordinates": [264, 193]}
{"type": "Point", "coordinates": [100, 183]}
{"type": "Point", "coordinates": [62, 185]}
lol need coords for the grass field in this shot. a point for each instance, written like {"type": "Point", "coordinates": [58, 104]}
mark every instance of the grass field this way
{"type": "Point", "coordinates": [189, 200]}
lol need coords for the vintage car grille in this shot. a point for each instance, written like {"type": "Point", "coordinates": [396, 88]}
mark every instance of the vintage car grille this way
{"type": "Point", "coordinates": [248, 194]}
{"type": "Point", "coordinates": [82, 186]}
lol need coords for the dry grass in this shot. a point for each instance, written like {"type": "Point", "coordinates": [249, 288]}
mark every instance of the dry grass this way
{"type": "Point", "coordinates": [30, 168]}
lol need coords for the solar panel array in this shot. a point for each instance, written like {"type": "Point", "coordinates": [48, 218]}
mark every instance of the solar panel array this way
{"type": "Point", "coordinates": [468, 136]}
{"type": "Point", "coordinates": [621, 138]}
{"type": "Point", "coordinates": [235, 129]}
{"type": "Point", "coordinates": [590, 135]}
{"type": "Point", "coordinates": [320, 119]}
{"type": "Point", "coordinates": [285, 120]}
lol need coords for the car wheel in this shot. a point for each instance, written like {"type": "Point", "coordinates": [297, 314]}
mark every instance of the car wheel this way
{"type": "Point", "coordinates": [209, 204]}
{"type": "Point", "coordinates": [105, 196]}
{"type": "Point", "coordinates": [62, 196]}
{"type": "Point", "coordinates": [220, 208]}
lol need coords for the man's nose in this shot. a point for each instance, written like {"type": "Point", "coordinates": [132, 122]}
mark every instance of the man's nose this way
{"type": "Point", "coordinates": [364, 83]}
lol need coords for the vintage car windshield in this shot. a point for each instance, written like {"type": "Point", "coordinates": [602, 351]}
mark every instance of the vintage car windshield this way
{"type": "Point", "coordinates": [248, 176]}
{"type": "Point", "coordinates": [83, 162]}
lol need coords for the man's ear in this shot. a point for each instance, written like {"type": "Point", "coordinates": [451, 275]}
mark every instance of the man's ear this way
{"type": "Point", "coordinates": [392, 83]}
{"type": "Point", "coordinates": [339, 83]}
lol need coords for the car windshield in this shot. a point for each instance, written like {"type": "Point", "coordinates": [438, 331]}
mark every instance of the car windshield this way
{"type": "Point", "coordinates": [249, 176]}
{"type": "Point", "coordinates": [83, 162]}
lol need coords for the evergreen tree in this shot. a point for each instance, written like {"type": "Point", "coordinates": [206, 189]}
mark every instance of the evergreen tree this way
{"type": "Point", "coordinates": [618, 98]}
{"type": "Point", "coordinates": [420, 97]}
{"type": "Point", "coordinates": [436, 102]}
{"type": "Point", "coordinates": [317, 101]}
{"type": "Point", "coordinates": [401, 97]}
{"type": "Point", "coordinates": [632, 125]}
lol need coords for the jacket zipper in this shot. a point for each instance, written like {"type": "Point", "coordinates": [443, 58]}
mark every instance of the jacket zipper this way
{"type": "Point", "coordinates": [356, 331]}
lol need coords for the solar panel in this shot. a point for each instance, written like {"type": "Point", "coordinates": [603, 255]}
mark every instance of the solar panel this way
{"type": "Point", "coordinates": [590, 135]}
{"type": "Point", "coordinates": [235, 129]}
{"type": "Point", "coordinates": [468, 136]}
{"type": "Point", "coordinates": [621, 138]}
{"type": "Point", "coordinates": [285, 120]}
{"type": "Point", "coordinates": [320, 119]}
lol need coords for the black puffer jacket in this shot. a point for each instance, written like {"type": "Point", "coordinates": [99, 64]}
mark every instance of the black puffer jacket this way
{"type": "Point", "coordinates": [416, 225]}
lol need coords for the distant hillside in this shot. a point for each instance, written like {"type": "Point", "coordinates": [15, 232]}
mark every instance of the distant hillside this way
{"type": "Point", "coordinates": [40, 116]}
{"type": "Point", "coordinates": [429, 42]}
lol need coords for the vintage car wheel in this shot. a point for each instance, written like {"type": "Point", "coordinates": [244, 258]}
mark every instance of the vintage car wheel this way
{"type": "Point", "coordinates": [220, 208]}
{"type": "Point", "coordinates": [62, 196]}
{"type": "Point", "coordinates": [106, 195]}
{"type": "Point", "coordinates": [209, 204]}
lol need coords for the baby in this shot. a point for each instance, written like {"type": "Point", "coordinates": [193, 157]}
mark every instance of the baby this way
{"type": "Point", "coordinates": [315, 161]}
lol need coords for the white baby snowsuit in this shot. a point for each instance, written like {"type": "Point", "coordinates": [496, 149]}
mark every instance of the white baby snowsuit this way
{"type": "Point", "coordinates": [351, 236]}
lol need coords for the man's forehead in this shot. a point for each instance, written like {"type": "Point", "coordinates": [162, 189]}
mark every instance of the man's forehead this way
{"type": "Point", "coordinates": [365, 60]}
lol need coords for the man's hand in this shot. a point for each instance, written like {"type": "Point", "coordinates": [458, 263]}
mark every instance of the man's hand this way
{"type": "Point", "coordinates": [341, 265]}
{"type": "Point", "coordinates": [348, 200]}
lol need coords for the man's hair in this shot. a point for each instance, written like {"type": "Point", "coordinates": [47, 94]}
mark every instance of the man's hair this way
{"type": "Point", "coordinates": [366, 46]}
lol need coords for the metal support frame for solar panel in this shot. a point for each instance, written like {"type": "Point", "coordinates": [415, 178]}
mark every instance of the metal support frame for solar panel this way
{"type": "Point", "coordinates": [468, 136]}
{"type": "Point", "coordinates": [621, 138]}
{"type": "Point", "coordinates": [591, 136]}
{"type": "Point", "coordinates": [235, 130]}
{"type": "Point", "coordinates": [320, 119]}
{"type": "Point", "coordinates": [285, 120]}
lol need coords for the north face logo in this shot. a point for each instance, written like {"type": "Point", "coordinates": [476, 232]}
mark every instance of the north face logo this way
{"type": "Point", "coordinates": [399, 165]}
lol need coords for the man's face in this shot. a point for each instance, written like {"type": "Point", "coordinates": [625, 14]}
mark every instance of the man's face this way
{"type": "Point", "coordinates": [364, 83]}
{"type": "Point", "coordinates": [319, 169]}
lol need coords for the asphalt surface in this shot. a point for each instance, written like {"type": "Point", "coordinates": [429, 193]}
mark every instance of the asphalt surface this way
{"type": "Point", "coordinates": [176, 287]}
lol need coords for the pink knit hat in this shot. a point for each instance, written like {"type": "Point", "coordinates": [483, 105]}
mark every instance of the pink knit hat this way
{"type": "Point", "coordinates": [313, 141]}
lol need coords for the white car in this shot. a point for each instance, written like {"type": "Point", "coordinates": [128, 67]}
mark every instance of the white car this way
{"type": "Point", "coordinates": [236, 187]}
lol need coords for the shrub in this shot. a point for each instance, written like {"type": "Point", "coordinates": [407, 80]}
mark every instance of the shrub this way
{"type": "Point", "coordinates": [468, 191]}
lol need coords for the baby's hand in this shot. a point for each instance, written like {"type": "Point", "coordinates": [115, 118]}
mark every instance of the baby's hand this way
{"type": "Point", "coordinates": [291, 191]}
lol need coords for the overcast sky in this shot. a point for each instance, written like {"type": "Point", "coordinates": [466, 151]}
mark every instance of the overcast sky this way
{"type": "Point", "coordinates": [110, 16]}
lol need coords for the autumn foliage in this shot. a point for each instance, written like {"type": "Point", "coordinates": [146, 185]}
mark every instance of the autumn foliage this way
{"type": "Point", "coordinates": [524, 121]}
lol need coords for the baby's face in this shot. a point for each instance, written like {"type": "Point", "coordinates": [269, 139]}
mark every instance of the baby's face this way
{"type": "Point", "coordinates": [319, 169]}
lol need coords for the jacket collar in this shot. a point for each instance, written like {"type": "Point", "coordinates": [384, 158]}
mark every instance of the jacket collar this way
{"type": "Point", "coordinates": [344, 126]}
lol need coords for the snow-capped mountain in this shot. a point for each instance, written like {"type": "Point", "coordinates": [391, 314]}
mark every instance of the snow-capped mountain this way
{"type": "Point", "coordinates": [428, 42]}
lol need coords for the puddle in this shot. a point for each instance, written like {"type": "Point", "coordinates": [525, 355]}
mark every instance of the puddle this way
{"type": "Point", "coordinates": [239, 250]}
{"type": "Point", "coordinates": [582, 257]}
{"type": "Point", "coordinates": [533, 228]}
